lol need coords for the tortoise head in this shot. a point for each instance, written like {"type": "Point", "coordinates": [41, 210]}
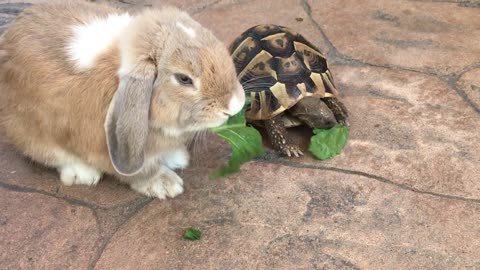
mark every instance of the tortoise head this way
{"type": "Point", "coordinates": [313, 112]}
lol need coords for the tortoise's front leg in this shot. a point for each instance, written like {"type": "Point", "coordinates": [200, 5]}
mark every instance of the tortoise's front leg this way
{"type": "Point", "coordinates": [338, 109]}
{"type": "Point", "coordinates": [280, 138]}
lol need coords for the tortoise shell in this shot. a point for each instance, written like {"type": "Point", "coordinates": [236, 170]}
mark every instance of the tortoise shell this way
{"type": "Point", "coordinates": [277, 67]}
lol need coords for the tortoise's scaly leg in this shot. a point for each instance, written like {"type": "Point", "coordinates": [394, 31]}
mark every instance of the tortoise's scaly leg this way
{"type": "Point", "coordinates": [338, 109]}
{"type": "Point", "coordinates": [280, 138]}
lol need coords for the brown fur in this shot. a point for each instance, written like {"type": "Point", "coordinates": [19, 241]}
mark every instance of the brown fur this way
{"type": "Point", "coordinates": [48, 104]}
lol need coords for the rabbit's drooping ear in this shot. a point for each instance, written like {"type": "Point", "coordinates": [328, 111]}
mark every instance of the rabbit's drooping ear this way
{"type": "Point", "coordinates": [127, 120]}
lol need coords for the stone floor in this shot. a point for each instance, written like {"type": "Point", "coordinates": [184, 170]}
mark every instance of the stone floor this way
{"type": "Point", "coordinates": [404, 193]}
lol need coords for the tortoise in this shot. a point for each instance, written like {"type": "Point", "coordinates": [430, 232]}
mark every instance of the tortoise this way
{"type": "Point", "coordinates": [288, 82]}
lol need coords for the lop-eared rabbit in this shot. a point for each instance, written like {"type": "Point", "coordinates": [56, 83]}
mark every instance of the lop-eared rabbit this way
{"type": "Point", "coordinates": [92, 90]}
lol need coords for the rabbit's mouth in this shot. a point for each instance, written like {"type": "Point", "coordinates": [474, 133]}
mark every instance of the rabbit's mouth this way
{"type": "Point", "coordinates": [206, 121]}
{"type": "Point", "coordinates": [217, 123]}
{"type": "Point", "coordinates": [178, 131]}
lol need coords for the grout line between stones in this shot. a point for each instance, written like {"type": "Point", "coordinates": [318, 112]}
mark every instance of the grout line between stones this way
{"type": "Point", "coordinates": [67, 199]}
{"type": "Point", "coordinates": [460, 3]}
{"type": "Point", "coordinates": [341, 58]}
{"type": "Point", "coordinates": [452, 82]}
{"type": "Point", "coordinates": [125, 2]}
{"type": "Point", "coordinates": [367, 175]}
{"type": "Point", "coordinates": [338, 57]}
{"type": "Point", "coordinates": [106, 237]}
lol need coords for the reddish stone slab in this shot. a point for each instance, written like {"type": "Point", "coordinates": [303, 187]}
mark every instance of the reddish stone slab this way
{"type": "Point", "coordinates": [440, 36]}
{"type": "Point", "coordinates": [42, 232]}
{"type": "Point", "coordinates": [190, 6]}
{"type": "Point", "coordinates": [410, 128]}
{"type": "Point", "coordinates": [229, 21]}
{"type": "Point", "coordinates": [276, 217]}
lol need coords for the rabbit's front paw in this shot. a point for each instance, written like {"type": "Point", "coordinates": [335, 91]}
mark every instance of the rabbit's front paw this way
{"type": "Point", "coordinates": [79, 174]}
{"type": "Point", "coordinates": [165, 183]}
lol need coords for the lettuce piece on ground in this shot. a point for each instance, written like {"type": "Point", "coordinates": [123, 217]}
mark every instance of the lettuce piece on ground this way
{"type": "Point", "coordinates": [327, 143]}
{"type": "Point", "coordinates": [192, 234]}
{"type": "Point", "coordinates": [245, 141]}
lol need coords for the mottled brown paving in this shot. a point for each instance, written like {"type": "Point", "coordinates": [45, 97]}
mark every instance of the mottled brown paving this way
{"type": "Point", "coordinates": [404, 193]}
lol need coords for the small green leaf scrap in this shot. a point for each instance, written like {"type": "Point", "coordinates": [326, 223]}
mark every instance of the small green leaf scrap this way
{"type": "Point", "coordinates": [245, 141]}
{"type": "Point", "coordinates": [327, 143]}
{"type": "Point", "coordinates": [192, 234]}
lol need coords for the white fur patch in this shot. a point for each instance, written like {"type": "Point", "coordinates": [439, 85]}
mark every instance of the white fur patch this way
{"type": "Point", "coordinates": [177, 159]}
{"type": "Point", "coordinates": [79, 174]}
{"type": "Point", "coordinates": [237, 102]}
{"type": "Point", "coordinates": [72, 169]}
{"type": "Point", "coordinates": [93, 38]}
{"type": "Point", "coordinates": [188, 30]}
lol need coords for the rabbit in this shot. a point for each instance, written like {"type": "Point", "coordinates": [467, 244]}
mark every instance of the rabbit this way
{"type": "Point", "coordinates": [91, 90]}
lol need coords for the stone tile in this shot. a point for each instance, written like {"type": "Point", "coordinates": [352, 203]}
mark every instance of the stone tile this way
{"type": "Point", "coordinates": [21, 2]}
{"type": "Point", "coordinates": [436, 35]}
{"type": "Point", "coordinates": [409, 128]}
{"type": "Point", "coordinates": [277, 217]}
{"type": "Point", "coordinates": [42, 232]}
{"type": "Point", "coordinates": [229, 21]}
{"type": "Point", "coordinates": [470, 84]}
{"type": "Point", "coordinates": [190, 6]}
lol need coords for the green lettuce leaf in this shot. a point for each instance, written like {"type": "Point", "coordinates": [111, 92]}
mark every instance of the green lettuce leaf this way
{"type": "Point", "coordinates": [192, 234]}
{"type": "Point", "coordinates": [245, 141]}
{"type": "Point", "coordinates": [327, 143]}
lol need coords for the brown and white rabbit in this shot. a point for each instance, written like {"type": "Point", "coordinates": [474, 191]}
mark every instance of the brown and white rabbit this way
{"type": "Point", "coordinates": [89, 90]}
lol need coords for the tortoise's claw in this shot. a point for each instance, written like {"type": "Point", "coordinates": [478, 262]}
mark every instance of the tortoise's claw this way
{"type": "Point", "coordinates": [298, 153]}
{"type": "Point", "coordinates": [292, 150]}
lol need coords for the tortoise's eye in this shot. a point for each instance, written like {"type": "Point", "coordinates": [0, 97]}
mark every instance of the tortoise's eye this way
{"type": "Point", "coordinates": [184, 79]}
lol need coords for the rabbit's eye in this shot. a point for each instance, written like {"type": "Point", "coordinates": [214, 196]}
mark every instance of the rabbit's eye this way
{"type": "Point", "coordinates": [184, 79]}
